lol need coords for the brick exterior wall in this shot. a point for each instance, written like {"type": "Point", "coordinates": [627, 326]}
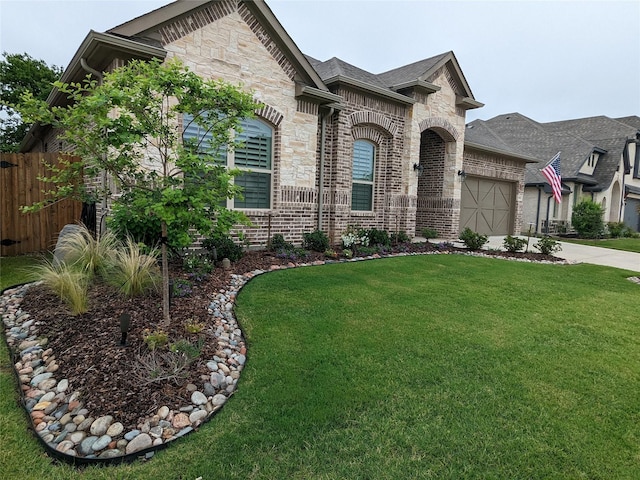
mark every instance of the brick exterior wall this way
{"type": "Point", "coordinates": [224, 40]}
{"type": "Point", "coordinates": [481, 164]}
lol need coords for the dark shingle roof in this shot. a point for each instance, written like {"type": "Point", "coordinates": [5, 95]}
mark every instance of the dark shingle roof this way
{"type": "Point", "coordinates": [632, 121]}
{"type": "Point", "coordinates": [334, 67]}
{"type": "Point", "coordinates": [413, 71]}
{"type": "Point", "coordinates": [575, 139]}
{"type": "Point", "coordinates": [479, 133]}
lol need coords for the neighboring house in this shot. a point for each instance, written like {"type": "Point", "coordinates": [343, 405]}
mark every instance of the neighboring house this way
{"type": "Point", "coordinates": [599, 159]}
{"type": "Point", "coordinates": [342, 146]}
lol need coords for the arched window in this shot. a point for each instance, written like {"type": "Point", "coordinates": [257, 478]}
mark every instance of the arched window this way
{"type": "Point", "coordinates": [254, 156]}
{"type": "Point", "coordinates": [364, 153]}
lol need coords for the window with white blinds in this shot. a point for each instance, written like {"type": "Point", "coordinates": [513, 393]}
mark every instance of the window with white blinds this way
{"type": "Point", "coordinates": [362, 176]}
{"type": "Point", "coordinates": [253, 155]}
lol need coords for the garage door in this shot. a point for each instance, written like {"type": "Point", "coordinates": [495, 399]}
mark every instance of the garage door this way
{"type": "Point", "coordinates": [487, 206]}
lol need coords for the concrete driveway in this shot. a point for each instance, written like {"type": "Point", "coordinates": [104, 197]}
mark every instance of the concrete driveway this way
{"type": "Point", "coordinates": [576, 253]}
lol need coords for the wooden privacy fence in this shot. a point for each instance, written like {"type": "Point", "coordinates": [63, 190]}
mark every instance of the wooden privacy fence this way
{"type": "Point", "coordinates": [19, 185]}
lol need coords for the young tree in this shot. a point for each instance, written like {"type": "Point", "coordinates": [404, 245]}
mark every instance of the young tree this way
{"type": "Point", "coordinates": [20, 73]}
{"type": "Point", "coordinates": [131, 126]}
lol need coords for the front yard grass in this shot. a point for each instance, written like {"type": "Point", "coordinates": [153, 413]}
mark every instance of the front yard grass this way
{"type": "Point", "coordinates": [437, 366]}
{"type": "Point", "coordinates": [626, 244]}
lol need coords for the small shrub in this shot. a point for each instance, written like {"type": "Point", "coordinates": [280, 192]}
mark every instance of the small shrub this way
{"type": "Point", "coordinates": [278, 243]}
{"type": "Point", "coordinates": [429, 233]}
{"type": "Point", "coordinates": [316, 241]}
{"type": "Point", "coordinates": [134, 272]}
{"type": "Point", "coordinates": [70, 284]}
{"type": "Point", "coordinates": [197, 263]}
{"type": "Point", "coordinates": [330, 253]}
{"type": "Point", "coordinates": [191, 351]}
{"type": "Point", "coordinates": [161, 367]}
{"type": "Point", "coordinates": [295, 255]}
{"type": "Point", "coordinates": [548, 246]}
{"type": "Point", "coordinates": [616, 229]}
{"type": "Point", "coordinates": [154, 339]}
{"type": "Point", "coordinates": [193, 327]}
{"type": "Point", "coordinates": [222, 246]}
{"type": "Point", "coordinates": [182, 288]}
{"type": "Point", "coordinates": [514, 244]}
{"type": "Point", "coordinates": [587, 219]}
{"type": "Point", "coordinates": [347, 253]}
{"type": "Point", "coordinates": [378, 237]}
{"type": "Point", "coordinates": [442, 246]}
{"type": "Point", "coordinates": [473, 240]}
{"type": "Point", "coordinates": [366, 251]}
{"type": "Point", "coordinates": [354, 238]}
{"type": "Point", "coordinates": [399, 237]}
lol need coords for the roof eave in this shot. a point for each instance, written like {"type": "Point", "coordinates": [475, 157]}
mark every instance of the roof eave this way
{"type": "Point", "coordinates": [360, 85]}
{"type": "Point", "coordinates": [316, 95]}
{"type": "Point", "coordinates": [426, 87]}
{"type": "Point", "coordinates": [497, 151]}
{"type": "Point", "coordinates": [468, 103]}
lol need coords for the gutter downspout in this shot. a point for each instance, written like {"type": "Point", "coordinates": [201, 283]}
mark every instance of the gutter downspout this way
{"type": "Point", "coordinates": [99, 76]}
{"type": "Point", "coordinates": [323, 128]}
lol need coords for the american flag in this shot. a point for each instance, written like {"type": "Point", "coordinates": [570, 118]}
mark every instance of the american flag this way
{"type": "Point", "coordinates": [552, 173]}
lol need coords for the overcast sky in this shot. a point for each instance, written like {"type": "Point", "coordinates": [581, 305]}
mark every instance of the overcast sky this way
{"type": "Point", "coordinates": [549, 60]}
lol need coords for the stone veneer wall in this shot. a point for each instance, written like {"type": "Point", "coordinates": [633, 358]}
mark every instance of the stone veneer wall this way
{"type": "Point", "coordinates": [224, 40]}
{"type": "Point", "coordinates": [481, 164]}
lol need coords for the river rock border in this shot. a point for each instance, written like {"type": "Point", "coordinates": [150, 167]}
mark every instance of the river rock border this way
{"type": "Point", "coordinates": [70, 432]}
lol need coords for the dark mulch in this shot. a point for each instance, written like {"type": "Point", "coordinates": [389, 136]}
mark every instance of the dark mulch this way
{"type": "Point", "coordinates": [109, 376]}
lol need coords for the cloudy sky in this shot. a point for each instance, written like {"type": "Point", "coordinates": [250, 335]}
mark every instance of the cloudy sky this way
{"type": "Point", "coordinates": [549, 60]}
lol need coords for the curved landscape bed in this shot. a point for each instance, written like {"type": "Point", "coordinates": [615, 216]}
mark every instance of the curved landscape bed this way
{"type": "Point", "coordinates": [91, 400]}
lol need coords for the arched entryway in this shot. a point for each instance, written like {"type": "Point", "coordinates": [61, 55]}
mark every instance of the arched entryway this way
{"type": "Point", "coordinates": [437, 207]}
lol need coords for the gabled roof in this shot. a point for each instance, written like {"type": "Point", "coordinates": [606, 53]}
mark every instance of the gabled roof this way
{"type": "Point", "coordinates": [478, 135]}
{"type": "Point", "coordinates": [575, 139]}
{"type": "Point", "coordinates": [336, 71]}
{"type": "Point", "coordinates": [422, 71]}
{"type": "Point", "coordinates": [146, 26]}
{"type": "Point", "coordinates": [395, 83]}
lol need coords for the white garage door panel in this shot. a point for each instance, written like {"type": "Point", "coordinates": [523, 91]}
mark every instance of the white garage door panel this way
{"type": "Point", "coordinates": [487, 206]}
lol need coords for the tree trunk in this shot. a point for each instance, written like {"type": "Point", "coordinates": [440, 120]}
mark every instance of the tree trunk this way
{"type": "Point", "coordinates": [166, 320]}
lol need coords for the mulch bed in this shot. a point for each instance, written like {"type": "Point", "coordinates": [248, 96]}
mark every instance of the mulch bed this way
{"type": "Point", "coordinates": [109, 376]}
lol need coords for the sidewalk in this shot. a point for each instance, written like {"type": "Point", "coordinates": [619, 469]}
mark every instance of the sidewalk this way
{"type": "Point", "coordinates": [576, 253]}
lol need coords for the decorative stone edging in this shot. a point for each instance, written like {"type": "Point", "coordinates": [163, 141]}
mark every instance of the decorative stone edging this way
{"type": "Point", "coordinates": [69, 430]}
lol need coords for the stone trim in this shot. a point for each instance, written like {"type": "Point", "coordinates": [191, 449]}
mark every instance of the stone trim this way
{"type": "Point", "coordinates": [271, 46]}
{"type": "Point", "coordinates": [440, 125]}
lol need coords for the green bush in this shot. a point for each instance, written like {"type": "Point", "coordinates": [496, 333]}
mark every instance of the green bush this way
{"type": "Point", "coordinates": [316, 241]}
{"type": "Point", "coordinates": [130, 218]}
{"type": "Point", "coordinates": [429, 233]}
{"type": "Point", "coordinates": [514, 244]}
{"type": "Point", "coordinates": [278, 243]}
{"type": "Point", "coordinates": [587, 219]}
{"type": "Point", "coordinates": [616, 229]}
{"type": "Point", "coordinates": [222, 246]}
{"type": "Point", "coordinates": [378, 237]}
{"type": "Point", "coordinates": [399, 237]}
{"type": "Point", "coordinates": [473, 240]}
{"type": "Point", "coordinates": [548, 246]}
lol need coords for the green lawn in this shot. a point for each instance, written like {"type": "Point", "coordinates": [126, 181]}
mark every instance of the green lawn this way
{"type": "Point", "coordinates": [627, 244]}
{"type": "Point", "coordinates": [13, 270]}
{"type": "Point", "coordinates": [438, 366]}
